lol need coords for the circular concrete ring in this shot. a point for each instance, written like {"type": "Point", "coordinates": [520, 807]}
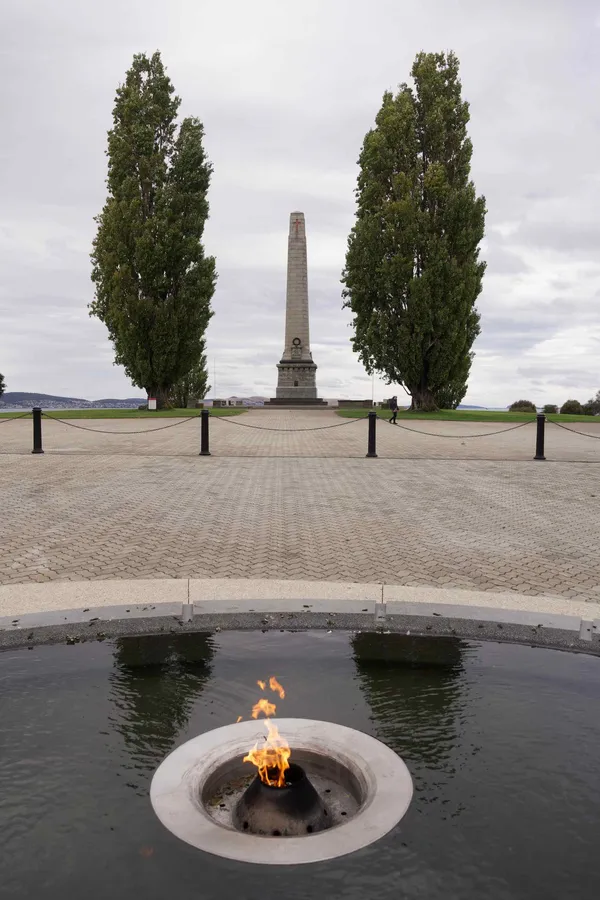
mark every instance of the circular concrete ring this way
{"type": "Point", "coordinates": [178, 782]}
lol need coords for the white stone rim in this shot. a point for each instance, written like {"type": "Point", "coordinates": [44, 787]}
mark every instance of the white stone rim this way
{"type": "Point", "coordinates": [177, 783]}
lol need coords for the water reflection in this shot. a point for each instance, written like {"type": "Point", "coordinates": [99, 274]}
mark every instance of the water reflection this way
{"type": "Point", "coordinates": [155, 682]}
{"type": "Point", "coordinates": [418, 697]}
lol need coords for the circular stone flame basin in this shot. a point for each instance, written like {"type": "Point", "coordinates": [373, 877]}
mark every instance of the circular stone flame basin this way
{"type": "Point", "coordinates": [344, 790]}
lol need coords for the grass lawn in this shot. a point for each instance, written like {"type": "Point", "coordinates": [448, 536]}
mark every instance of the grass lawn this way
{"type": "Point", "coordinates": [128, 413]}
{"type": "Point", "coordinates": [468, 415]}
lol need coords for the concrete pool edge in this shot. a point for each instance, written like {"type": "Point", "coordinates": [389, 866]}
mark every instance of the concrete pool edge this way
{"type": "Point", "coordinates": [57, 611]}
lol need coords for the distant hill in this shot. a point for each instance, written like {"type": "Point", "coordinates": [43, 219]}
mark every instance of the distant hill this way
{"type": "Point", "coordinates": [12, 397]}
{"type": "Point", "coordinates": [25, 400]}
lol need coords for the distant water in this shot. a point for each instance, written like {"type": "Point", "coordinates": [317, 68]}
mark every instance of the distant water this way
{"type": "Point", "coordinates": [25, 409]}
{"type": "Point", "coordinates": [481, 408]}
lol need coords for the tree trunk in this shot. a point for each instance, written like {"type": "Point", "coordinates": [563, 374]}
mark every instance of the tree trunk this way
{"type": "Point", "coordinates": [162, 399]}
{"type": "Point", "coordinates": [423, 400]}
{"type": "Point", "coordinates": [161, 396]}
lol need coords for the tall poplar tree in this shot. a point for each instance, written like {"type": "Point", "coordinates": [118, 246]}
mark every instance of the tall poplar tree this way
{"type": "Point", "coordinates": [413, 273]}
{"type": "Point", "coordinates": [193, 386]}
{"type": "Point", "coordinates": [153, 282]}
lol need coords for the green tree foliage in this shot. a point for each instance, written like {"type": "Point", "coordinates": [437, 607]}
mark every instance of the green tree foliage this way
{"type": "Point", "coordinates": [2, 385]}
{"type": "Point", "coordinates": [153, 282]}
{"type": "Point", "coordinates": [451, 395]}
{"type": "Point", "coordinates": [550, 409]}
{"type": "Point", "coordinates": [592, 407]}
{"type": "Point", "coordinates": [413, 272]}
{"type": "Point", "coordinates": [572, 408]}
{"type": "Point", "coordinates": [522, 406]}
{"type": "Point", "coordinates": [193, 386]}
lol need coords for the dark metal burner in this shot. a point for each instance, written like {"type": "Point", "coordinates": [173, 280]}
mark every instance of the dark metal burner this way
{"type": "Point", "coordinates": [293, 810]}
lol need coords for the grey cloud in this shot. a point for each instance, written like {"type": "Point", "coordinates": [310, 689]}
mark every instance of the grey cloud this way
{"type": "Point", "coordinates": [504, 262]}
{"type": "Point", "coordinates": [564, 376]}
{"type": "Point", "coordinates": [286, 110]}
{"type": "Point", "coordinates": [576, 239]}
{"type": "Point", "coordinates": [560, 284]}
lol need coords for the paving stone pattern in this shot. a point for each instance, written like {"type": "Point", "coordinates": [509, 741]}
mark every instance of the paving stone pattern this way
{"type": "Point", "coordinates": [306, 434]}
{"type": "Point", "coordinates": [489, 525]}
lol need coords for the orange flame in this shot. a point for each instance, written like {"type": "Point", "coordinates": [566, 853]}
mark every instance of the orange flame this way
{"type": "Point", "coordinates": [272, 760]}
{"type": "Point", "coordinates": [276, 687]}
{"type": "Point", "coordinates": [263, 706]}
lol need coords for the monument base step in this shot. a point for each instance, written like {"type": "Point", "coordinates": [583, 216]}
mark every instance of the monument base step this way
{"type": "Point", "coordinates": [297, 403]}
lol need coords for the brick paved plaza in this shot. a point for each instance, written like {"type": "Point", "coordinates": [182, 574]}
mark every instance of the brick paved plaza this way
{"type": "Point", "coordinates": [105, 506]}
{"type": "Point", "coordinates": [304, 433]}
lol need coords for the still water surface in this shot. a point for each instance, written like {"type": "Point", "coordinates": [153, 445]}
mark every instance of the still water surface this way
{"type": "Point", "coordinates": [502, 743]}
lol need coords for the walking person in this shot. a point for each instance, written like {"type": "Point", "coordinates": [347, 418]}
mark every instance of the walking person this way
{"type": "Point", "coordinates": [394, 409]}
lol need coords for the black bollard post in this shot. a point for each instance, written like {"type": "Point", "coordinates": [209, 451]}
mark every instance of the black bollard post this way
{"type": "Point", "coordinates": [539, 437]}
{"type": "Point", "coordinates": [204, 451]}
{"type": "Point", "coordinates": [372, 449]}
{"type": "Point", "coordinates": [37, 430]}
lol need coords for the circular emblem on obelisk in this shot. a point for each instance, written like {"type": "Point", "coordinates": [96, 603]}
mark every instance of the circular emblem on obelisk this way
{"type": "Point", "coordinates": [296, 342]}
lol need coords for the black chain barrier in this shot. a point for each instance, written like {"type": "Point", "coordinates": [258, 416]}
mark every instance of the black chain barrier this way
{"type": "Point", "coordinates": [289, 430]}
{"type": "Point", "coordinates": [14, 418]}
{"type": "Point", "coordinates": [595, 437]}
{"type": "Point", "coordinates": [372, 418]}
{"type": "Point", "coordinates": [105, 431]}
{"type": "Point", "coordinates": [458, 436]}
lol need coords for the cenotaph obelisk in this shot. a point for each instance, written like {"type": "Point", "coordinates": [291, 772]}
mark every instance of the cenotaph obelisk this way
{"type": "Point", "coordinates": [296, 372]}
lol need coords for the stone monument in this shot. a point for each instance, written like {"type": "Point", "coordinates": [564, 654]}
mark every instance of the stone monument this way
{"type": "Point", "coordinates": [296, 378]}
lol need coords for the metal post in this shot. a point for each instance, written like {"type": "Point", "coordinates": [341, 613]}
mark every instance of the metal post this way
{"type": "Point", "coordinates": [37, 430]}
{"type": "Point", "coordinates": [539, 438]}
{"type": "Point", "coordinates": [372, 450]}
{"type": "Point", "coordinates": [204, 451]}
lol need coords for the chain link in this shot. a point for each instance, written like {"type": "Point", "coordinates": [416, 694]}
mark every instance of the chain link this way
{"type": "Point", "coordinates": [105, 431]}
{"type": "Point", "coordinates": [595, 437]}
{"type": "Point", "coordinates": [289, 430]}
{"type": "Point", "coordinates": [459, 436]}
{"type": "Point", "coordinates": [14, 418]}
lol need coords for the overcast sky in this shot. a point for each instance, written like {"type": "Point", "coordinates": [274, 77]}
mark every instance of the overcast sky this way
{"type": "Point", "coordinates": [287, 91]}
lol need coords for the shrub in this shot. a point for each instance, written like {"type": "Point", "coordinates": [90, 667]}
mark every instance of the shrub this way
{"type": "Point", "coordinates": [572, 408]}
{"type": "Point", "coordinates": [522, 406]}
{"type": "Point", "coordinates": [550, 409]}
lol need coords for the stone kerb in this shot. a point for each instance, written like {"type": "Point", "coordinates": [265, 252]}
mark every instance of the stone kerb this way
{"type": "Point", "coordinates": [41, 613]}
